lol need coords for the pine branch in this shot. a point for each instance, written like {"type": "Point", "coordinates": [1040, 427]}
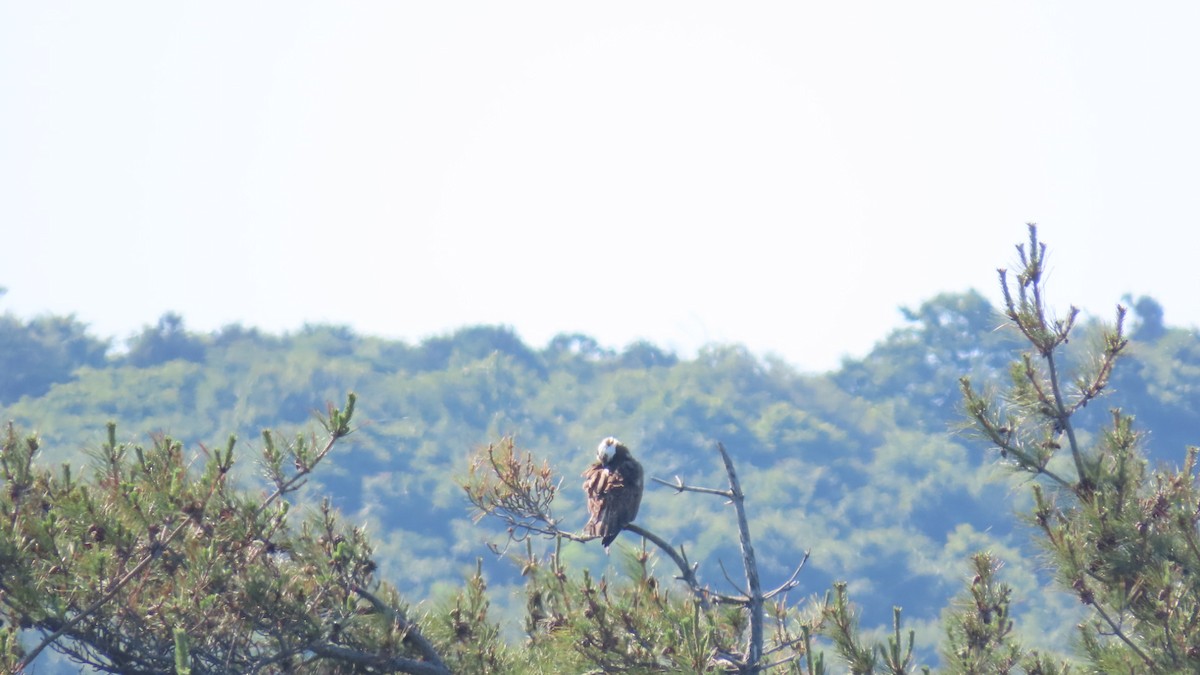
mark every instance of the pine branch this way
{"type": "Point", "coordinates": [156, 550]}
{"type": "Point", "coordinates": [376, 663]}
{"type": "Point", "coordinates": [1116, 629]}
{"type": "Point", "coordinates": [1063, 421]}
{"type": "Point", "coordinates": [337, 423]}
{"type": "Point", "coordinates": [412, 635]}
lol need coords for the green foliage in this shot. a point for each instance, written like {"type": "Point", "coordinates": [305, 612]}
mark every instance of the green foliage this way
{"type": "Point", "coordinates": [168, 340]}
{"type": "Point", "coordinates": [147, 565]}
{"type": "Point", "coordinates": [469, 641]}
{"type": "Point", "coordinates": [1121, 539]}
{"type": "Point", "coordinates": [839, 622]}
{"type": "Point", "coordinates": [36, 354]}
{"type": "Point", "coordinates": [183, 653]}
{"type": "Point", "coordinates": [948, 336]}
{"type": "Point", "coordinates": [637, 624]}
{"type": "Point", "coordinates": [979, 629]}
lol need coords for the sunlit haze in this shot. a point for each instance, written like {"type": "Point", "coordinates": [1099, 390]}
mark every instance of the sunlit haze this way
{"type": "Point", "coordinates": [781, 175]}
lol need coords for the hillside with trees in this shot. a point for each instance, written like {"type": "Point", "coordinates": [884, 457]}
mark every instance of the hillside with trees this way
{"type": "Point", "coordinates": [882, 476]}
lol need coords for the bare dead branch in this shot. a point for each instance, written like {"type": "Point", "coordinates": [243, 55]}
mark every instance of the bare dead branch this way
{"type": "Point", "coordinates": [790, 583]}
{"type": "Point", "coordinates": [754, 589]}
{"type": "Point", "coordinates": [745, 597]}
{"type": "Point", "coordinates": [680, 486]}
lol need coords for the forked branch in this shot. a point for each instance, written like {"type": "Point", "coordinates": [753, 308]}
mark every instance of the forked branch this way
{"type": "Point", "coordinates": [753, 597]}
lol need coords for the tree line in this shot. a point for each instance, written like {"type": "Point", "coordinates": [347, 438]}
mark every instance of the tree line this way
{"type": "Point", "coordinates": [855, 472]}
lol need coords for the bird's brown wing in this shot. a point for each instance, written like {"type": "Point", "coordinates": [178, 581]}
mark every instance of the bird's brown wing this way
{"type": "Point", "coordinates": [597, 482]}
{"type": "Point", "coordinates": [612, 501]}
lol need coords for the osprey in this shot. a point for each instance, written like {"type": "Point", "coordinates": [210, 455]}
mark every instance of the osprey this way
{"type": "Point", "coordinates": [613, 486]}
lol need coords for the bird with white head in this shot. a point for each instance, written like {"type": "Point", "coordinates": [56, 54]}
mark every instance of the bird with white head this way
{"type": "Point", "coordinates": [613, 486]}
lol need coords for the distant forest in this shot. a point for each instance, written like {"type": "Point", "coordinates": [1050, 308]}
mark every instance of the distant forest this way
{"type": "Point", "coordinates": [863, 467]}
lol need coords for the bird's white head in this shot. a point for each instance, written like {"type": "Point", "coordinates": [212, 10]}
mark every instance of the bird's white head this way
{"type": "Point", "coordinates": [607, 450]}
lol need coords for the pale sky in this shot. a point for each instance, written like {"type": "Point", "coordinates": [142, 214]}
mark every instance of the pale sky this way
{"type": "Point", "coordinates": [781, 175]}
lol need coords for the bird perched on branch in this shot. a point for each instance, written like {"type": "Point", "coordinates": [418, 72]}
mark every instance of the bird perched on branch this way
{"type": "Point", "coordinates": [613, 485]}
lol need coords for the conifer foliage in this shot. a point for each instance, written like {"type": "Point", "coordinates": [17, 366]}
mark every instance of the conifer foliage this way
{"type": "Point", "coordinates": [1122, 538]}
{"type": "Point", "coordinates": [150, 565]}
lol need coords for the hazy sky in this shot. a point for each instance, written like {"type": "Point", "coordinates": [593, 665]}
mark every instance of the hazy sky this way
{"type": "Point", "coordinates": [783, 175]}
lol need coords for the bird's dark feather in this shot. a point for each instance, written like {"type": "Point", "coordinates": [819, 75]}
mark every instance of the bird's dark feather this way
{"type": "Point", "coordinates": [614, 493]}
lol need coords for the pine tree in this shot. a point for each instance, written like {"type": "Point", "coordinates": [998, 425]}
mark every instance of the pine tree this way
{"type": "Point", "coordinates": [1122, 538]}
{"type": "Point", "coordinates": [148, 565]}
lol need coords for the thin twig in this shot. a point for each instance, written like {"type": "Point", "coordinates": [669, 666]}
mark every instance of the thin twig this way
{"type": "Point", "coordinates": [790, 583]}
{"type": "Point", "coordinates": [725, 573]}
{"type": "Point", "coordinates": [680, 486]}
